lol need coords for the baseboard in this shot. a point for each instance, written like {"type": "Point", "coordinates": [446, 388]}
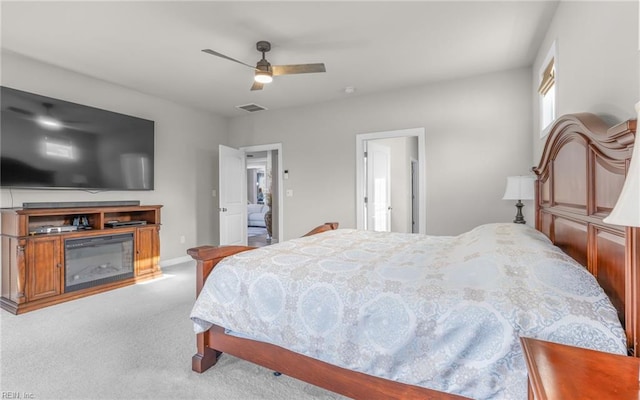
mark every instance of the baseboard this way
{"type": "Point", "coordinates": [174, 261]}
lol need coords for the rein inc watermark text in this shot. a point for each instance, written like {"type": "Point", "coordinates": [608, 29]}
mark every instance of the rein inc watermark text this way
{"type": "Point", "coordinates": [16, 395]}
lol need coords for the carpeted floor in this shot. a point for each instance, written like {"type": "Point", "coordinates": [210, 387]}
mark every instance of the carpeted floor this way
{"type": "Point", "coordinates": [130, 343]}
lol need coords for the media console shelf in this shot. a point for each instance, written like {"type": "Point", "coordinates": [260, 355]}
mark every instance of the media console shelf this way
{"type": "Point", "coordinates": [52, 255]}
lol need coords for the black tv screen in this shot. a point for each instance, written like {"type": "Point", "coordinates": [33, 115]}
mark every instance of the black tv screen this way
{"type": "Point", "coordinates": [51, 143]}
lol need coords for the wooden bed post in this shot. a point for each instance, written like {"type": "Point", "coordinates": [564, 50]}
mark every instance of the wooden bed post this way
{"type": "Point", "coordinates": [206, 259]}
{"type": "Point", "coordinates": [328, 226]}
{"type": "Point", "coordinates": [633, 289]}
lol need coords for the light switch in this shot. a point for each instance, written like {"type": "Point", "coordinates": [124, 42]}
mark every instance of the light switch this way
{"type": "Point", "coordinates": [214, 193]}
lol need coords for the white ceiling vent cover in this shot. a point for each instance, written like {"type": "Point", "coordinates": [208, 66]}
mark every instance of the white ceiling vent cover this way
{"type": "Point", "coordinates": [251, 107]}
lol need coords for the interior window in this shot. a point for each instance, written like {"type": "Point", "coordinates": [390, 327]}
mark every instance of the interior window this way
{"type": "Point", "coordinates": [547, 91]}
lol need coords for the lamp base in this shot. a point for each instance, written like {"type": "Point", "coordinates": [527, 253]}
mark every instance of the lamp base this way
{"type": "Point", "coordinates": [519, 217]}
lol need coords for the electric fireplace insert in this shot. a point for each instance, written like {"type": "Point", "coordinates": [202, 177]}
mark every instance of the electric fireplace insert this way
{"type": "Point", "coordinates": [93, 261]}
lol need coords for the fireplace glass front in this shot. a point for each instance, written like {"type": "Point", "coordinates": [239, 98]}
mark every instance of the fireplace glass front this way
{"type": "Point", "coordinates": [97, 260]}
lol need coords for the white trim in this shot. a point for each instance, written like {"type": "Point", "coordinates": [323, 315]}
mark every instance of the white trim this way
{"type": "Point", "coordinates": [266, 147]}
{"type": "Point", "coordinates": [552, 53]}
{"type": "Point", "coordinates": [422, 182]}
{"type": "Point", "coordinates": [413, 162]}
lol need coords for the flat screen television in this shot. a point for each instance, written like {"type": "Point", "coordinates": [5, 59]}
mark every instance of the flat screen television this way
{"type": "Point", "coordinates": [46, 143]}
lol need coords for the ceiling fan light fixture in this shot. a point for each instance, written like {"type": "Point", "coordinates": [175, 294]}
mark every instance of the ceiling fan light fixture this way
{"type": "Point", "coordinates": [49, 122]}
{"type": "Point", "coordinates": [263, 76]}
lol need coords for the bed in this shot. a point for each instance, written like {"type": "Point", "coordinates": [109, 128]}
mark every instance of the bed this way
{"type": "Point", "coordinates": [579, 177]}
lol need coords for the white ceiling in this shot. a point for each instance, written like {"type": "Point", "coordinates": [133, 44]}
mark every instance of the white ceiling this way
{"type": "Point", "coordinates": [155, 47]}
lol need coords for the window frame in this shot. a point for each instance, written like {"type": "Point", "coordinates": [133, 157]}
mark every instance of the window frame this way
{"type": "Point", "coordinates": [552, 55]}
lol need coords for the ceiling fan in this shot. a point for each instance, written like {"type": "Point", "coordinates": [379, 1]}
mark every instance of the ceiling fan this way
{"type": "Point", "coordinates": [45, 119]}
{"type": "Point", "coordinates": [264, 71]}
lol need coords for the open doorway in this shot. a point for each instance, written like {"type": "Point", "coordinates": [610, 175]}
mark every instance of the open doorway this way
{"type": "Point", "coordinates": [258, 204]}
{"type": "Point", "coordinates": [391, 189]}
{"type": "Point", "coordinates": [264, 202]}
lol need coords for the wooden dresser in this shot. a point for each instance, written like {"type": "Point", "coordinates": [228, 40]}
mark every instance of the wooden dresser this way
{"type": "Point", "coordinates": [35, 241]}
{"type": "Point", "coordinates": [560, 372]}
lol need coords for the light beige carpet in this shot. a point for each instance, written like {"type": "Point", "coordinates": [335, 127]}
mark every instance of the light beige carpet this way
{"type": "Point", "coordinates": [130, 343]}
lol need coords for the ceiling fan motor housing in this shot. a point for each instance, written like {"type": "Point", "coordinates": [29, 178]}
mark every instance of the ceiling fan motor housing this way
{"type": "Point", "coordinates": [263, 73]}
{"type": "Point", "coordinates": [263, 65]}
{"type": "Point", "coordinates": [263, 46]}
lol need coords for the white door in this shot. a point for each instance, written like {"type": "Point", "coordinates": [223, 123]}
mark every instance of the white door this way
{"type": "Point", "coordinates": [232, 196]}
{"type": "Point", "coordinates": [378, 187]}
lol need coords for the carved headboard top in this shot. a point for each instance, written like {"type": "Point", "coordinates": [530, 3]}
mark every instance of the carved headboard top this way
{"type": "Point", "coordinates": [613, 143]}
{"type": "Point", "coordinates": [580, 176]}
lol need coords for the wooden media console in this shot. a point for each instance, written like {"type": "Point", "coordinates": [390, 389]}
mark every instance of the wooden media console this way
{"type": "Point", "coordinates": [52, 255]}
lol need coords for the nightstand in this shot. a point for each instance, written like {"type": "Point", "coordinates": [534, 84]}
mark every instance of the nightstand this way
{"type": "Point", "coordinates": [563, 372]}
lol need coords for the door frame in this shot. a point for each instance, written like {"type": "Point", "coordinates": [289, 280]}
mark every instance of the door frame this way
{"type": "Point", "coordinates": [415, 199]}
{"type": "Point", "coordinates": [361, 179]}
{"type": "Point", "coordinates": [266, 147]}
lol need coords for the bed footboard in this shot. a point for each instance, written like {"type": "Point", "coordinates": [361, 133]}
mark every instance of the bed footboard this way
{"type": "Point", "coordinates": [207, 257]}
{"type": "Point", "coordinates": [212, 343]}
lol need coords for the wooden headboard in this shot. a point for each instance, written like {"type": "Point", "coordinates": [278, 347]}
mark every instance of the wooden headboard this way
{"type": "Point", "coordinates": [580, 176]}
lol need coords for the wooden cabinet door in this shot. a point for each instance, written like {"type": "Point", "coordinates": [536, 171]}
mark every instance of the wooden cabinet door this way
{"type": "Point", "coordinates": [44, 267]}
{"type": "Point", "coordinates": [147, 250]}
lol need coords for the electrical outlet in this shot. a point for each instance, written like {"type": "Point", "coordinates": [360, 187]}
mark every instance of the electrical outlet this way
{"type": "Point", "coordinates": [182, 239]}
{"type": "Point", "coordinates": [289, 192]}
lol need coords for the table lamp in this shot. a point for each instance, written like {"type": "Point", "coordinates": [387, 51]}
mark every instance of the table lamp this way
{"type": "Point", "coordinates": [627, 209]}
{"type": "Point", "coordinates": [519, 188]}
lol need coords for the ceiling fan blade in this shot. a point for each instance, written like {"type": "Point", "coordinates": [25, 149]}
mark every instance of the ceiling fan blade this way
{"type": "Point", "coordinates": [297, 69]}
{"type": "Point", "coordinates": [20, 111]}
{"type": "Point", "coordinates": [215, 53]}
{"type": "Point", "coordinates": [257, 86]}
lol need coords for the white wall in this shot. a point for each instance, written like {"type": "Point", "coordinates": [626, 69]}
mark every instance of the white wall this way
{"type": "Point", "coordinates": [478, 132]}
{"type": "Point", "coordinates": [598, 65]}
{"type": "Point", "coordinates": [186, 151]}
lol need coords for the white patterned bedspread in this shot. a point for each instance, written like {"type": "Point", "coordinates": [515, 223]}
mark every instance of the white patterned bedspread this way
{"type": "Point", "coordinates": [440, 312]}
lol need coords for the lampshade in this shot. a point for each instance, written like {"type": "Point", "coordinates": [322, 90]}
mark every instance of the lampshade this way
{"type": "Point", "coordinates": [263, 76]}
{"type": "Point", "coordinates": [519, 188]}
{"type": "Point", "coordinates": [627, 209]}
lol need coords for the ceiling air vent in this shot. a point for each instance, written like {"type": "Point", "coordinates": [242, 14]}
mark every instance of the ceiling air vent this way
{"type": "Point", "coordinates": [251, 107]}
